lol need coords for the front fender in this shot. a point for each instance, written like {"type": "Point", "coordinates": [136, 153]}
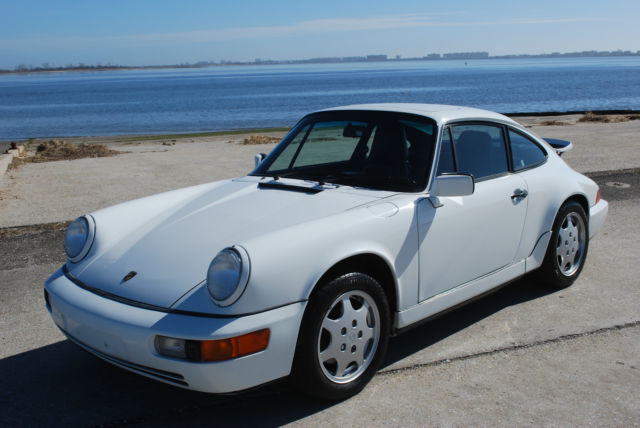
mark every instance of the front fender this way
{"type": "Point", "coordinates": [287, 264]}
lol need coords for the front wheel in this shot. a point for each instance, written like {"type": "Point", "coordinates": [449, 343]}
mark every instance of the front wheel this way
{"type": "Point", "coordinates": [343, 337]}
{"type": "Point", "coordinates": [568, 247]}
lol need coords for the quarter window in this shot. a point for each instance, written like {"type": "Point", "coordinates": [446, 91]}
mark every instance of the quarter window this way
{"type": "Point", "coordinates": [445, 162]}
{"type": "Point", "coordinates": [480, 150]}
{"type": "Point", "coordinates": [525, 152]}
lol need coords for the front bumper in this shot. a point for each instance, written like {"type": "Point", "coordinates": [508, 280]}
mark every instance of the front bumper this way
{"type": "Point", "coordinates": [597, 216]}
{"type": "Point", "coordinates": [124, 335]}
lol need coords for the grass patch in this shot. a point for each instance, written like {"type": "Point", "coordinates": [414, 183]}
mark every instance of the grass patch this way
{"type": "Point", "coordinates": [55, 150]}
{"type": "Point", "coordinates": [252, 140]}
{"type": "Point", "coordinates": [555, 123]}
{"type": "Point", "coordinates": [198, 134]}
{"type": "Point", "coordinates": [605, 118]}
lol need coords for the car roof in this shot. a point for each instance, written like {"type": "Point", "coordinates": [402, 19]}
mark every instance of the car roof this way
{"type": "Point", "coordinates": [441, 113]}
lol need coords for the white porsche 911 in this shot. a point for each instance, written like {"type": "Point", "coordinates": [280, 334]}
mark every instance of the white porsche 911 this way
{"type": "Point", "coordinates": [363, 221]}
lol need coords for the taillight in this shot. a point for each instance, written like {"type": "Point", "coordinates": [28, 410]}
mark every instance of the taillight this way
{"type": "Point", "coordinates": [598, 195]}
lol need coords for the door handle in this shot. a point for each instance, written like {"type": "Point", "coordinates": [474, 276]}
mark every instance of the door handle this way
{"type": "Point", "coordinates": [519, 193]}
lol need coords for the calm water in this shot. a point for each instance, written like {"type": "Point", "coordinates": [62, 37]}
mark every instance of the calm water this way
{"type": "Point", "coordinates": [223, 98]}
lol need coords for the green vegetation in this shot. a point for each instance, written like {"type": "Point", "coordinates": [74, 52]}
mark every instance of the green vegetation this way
{"type": "Point", "coordinates": [197, 134]}
{"type": "Point", "coordinates": [605, 118]}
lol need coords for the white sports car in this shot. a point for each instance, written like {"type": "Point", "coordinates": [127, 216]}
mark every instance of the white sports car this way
{"type": "Point", "coordinates": [363, 221]}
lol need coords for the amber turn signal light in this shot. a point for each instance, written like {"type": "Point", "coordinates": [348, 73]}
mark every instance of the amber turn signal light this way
{"type": "Point", "coordinates": [234, 347]}
{"type": "Point", "coordinates": [213, 350]}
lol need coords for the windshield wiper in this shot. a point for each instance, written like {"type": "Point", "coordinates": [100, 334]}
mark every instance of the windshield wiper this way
{"type": "Point", "coordinates": [277, 176]}
{"type": "Point", "coordinates": [336, 177]}
{"type": "Point", "coordinates": [296, 175]}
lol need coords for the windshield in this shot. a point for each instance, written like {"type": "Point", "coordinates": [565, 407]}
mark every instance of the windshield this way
{"type": "Point", "coordinates": [378, 150]}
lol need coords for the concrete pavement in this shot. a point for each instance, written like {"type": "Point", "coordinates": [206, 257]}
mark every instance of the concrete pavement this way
{"type": "Point", "coordinates": [524, 355]}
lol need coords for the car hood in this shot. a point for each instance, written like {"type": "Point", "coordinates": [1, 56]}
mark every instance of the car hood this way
{"type": "Point", "coordinates": [170, 243]}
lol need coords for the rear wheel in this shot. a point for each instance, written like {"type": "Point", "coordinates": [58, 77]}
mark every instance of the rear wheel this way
{"type": "Point", "coordinates": [568, 247]}
{"type": "Point", "coordinates": [343, 337]}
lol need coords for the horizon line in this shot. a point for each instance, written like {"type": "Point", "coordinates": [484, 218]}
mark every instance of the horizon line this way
{"type": "Point", "coordinates": [448, 56]}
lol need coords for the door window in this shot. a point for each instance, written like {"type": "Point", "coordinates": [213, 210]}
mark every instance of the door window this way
{"type": "Point", "coordinates": [480, 150]}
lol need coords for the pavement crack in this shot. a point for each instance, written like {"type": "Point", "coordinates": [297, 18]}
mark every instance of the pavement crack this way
{"type": "Point", "coordinates": [280, 388]}
{"type": "Point", "coordinates": [559, 339]}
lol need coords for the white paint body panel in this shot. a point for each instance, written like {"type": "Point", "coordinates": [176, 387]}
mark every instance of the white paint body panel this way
{"type": "Point", "coordinates": [126, 333]}
{"type": "Point", "coordinates": [438, 257]}
{"type": "Point", "coordinates": [454, 237]}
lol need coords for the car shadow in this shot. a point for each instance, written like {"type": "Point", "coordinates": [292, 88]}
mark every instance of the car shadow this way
{"type": "Point", "coordinates": [60, 384]}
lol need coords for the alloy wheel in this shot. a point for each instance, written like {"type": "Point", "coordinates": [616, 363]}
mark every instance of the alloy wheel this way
{"type": "Point", "coordinates": [349, 336]}
{"type": "Point", "coordinates": [571, 244]}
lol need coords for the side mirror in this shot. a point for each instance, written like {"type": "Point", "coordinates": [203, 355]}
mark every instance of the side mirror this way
{"type": "Point", "coordinates": [452, 185]}
{"type": "Point", "coordinates": [259, 158]}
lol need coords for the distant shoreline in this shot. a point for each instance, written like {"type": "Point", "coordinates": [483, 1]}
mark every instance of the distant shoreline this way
{"type": "Point", "coordinates": [470, 56]}
{"type": "Point", "coordinates": [121, 138]}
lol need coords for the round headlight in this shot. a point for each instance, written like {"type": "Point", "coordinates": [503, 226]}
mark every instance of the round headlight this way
{"type": "Point", "coordinates": [228, 275]}
{"type": "Point", "coordinates": [78, 238]}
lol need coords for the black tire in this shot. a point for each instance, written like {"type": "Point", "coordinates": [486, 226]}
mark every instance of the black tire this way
{"type": "Point", "coordinates": [557, 272]}
{"type": "Point", "coordinates": [350, 340]}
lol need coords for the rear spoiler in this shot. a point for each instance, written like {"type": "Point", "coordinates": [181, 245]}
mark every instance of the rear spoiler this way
{"type": "Point", "coordinates": [560, 146]}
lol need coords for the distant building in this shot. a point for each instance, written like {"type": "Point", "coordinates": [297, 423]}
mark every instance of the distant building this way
{"type": "Point", "coordinates": [354, 58]}
{"type": "Point", "coordinates": [323, 60]}
{"type": "Point", "coordinates": [466, 55]}
{"type": "Point", "coordinates": [376, 57]}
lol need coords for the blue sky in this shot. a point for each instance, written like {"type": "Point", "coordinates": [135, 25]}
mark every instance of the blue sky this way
{"type": "Point", "coordinates": [148, 32]}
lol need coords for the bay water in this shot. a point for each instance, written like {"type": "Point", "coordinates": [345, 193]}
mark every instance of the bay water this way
{"type": "Point", "coordinates": [183, 100]}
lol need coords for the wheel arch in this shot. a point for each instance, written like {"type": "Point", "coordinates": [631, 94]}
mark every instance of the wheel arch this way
{"type": "Point", "coordinates": [579, 198]}
{"type": "Point", "coordinates": [549, 271]}
{"type": "Point", "coordinates": [537, 254]}
{"type": "Point", "coordinates": [369, 264]}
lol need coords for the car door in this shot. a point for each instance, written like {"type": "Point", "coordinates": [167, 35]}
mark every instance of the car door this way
{"type": "Point", "coordinates": [464, 238]}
